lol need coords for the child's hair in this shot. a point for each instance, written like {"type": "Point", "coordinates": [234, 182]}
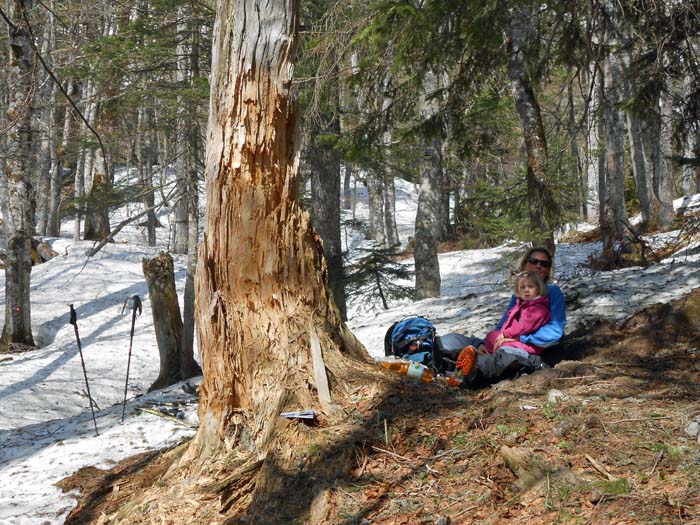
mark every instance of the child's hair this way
{"type": "Point", "coordinates": [534, 278]}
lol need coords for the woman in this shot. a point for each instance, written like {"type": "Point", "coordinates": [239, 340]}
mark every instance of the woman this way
{"type": "Point", "coordinates": [539, 260]}
{"type": "Point", "coordinates": [477, 368]}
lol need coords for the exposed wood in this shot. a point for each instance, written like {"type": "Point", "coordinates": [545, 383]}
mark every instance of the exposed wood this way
{"type": "Point", "coordinates": [324, 392]}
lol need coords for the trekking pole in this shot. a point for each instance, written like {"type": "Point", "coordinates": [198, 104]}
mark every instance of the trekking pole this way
{"type": "Point", "coordinates": [74, 322]}
{"type": "Point", "coordinates": [136, 306]}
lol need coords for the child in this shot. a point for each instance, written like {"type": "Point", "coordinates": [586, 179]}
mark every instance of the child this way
{"type": "Point", "coordinates": [529, 313]}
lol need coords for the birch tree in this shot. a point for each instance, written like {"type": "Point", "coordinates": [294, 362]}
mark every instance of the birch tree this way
{"type": "Point", "coordinates": [18, 214]}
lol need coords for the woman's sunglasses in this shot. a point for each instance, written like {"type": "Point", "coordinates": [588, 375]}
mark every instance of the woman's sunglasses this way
{"type": "Point", "coordinates": [541, 262]}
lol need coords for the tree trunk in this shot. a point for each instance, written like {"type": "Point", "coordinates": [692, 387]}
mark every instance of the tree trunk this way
{"type": "Point", "coordinates": [145, 161]}
{"type": "Point", "coordinates": [19, 220]}
{"type": "Point", "coordinates": [263, 300]}
{"type": "Point", "coordinates": [182, 142]}
{"type": "Point", "coordinates": [188, 365]}
{"type": "Point", "coordinates": [691, 147]}
{"type": "Point", "coordinates": [389, 199]}
{"type": "Point", "coordinates": [324, 160]}
{"type": "Point", "coordinates": [594, 156]}
{"type": "Point", "coordinates": [579, 185]}
{"type": "Point", "coordinates": [613, 216]}
{"type": "Point", "coordinates": [425, 251]}
{"type": "Point", "coordinates": [642, 177]}
{"type": "Point", "coordinates": [375, 195]}
{"type": "Point", "coordinates": [17, 331]}
{"type": "Point", "coordinates": [97, 225]}
{"type": "Point", "coordinates": [663, 182]}
{"type": "Point", "coordinates": [54, 224]}
{"type": "Point", "coordinates": [523, 40]}
{"type": "Point", "coordinates": [428, 215]}
{"type": "Point", "coordinates": [48, 137]}
{"type": "Point", "coordinates": [160, 277]}
{"type": "Point", "coordinates": [84, 170]}
{"type": "Point", "coordinates": [43, 176]}
{"type": "Point", "coordinates": [347, 190]}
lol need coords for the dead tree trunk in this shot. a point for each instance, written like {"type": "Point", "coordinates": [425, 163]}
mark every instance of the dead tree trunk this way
{"type": "Point", "coordinates": [263, 312]}
{"type": "Point", "coordinates": [269, 335]}
{"type": "Point", "coordinates": [160, 277]}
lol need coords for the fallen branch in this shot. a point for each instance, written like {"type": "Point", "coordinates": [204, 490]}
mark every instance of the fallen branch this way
{"type": "Point", "coordinates": [464, 511]}
{"type": "Point", "coordinates": [131, 219]}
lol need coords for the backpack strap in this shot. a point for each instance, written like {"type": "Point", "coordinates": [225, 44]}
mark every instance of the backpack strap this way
{"type": "Point", "coordinates": [388, 344]}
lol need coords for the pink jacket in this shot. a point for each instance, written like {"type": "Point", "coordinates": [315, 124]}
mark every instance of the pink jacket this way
{"type": "Point", "coordinates": [523, 318]}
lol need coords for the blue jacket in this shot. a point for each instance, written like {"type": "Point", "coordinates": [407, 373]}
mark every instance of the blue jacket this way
{"type": "Point", "coordinates": [550, 333]}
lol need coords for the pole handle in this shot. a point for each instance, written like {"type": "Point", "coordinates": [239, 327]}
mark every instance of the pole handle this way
{"type": "Point", "coordinates": [136, 304]}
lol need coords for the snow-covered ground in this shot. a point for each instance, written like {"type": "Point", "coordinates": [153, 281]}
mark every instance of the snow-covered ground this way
{"type": "Point", "coordinates": [46, 427]}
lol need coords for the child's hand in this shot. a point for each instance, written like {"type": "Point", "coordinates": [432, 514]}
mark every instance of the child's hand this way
{"type": "Point", "coordinates": [502, 340]}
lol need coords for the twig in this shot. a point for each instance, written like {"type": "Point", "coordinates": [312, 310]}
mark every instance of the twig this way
{"type": "Point", "coordinates": [658, 458]}
{"type": "Point", "coordinates": [445, 453]}
{"type": "Point", "coordinates": [85, 394]}
{"type": "Point", "coordinates": [386, 433]}
{"type": "Point", "coordinates": [575, 377]}
{"type": "Point", "coordinates": [651, 418]}
{"type": "Point", "coordinates": [463, 511]}
{"type": "Point", "coordinates": [600, 468]}
{"type": "Point", "coordinates": [458, 500]}
{"type": "Point", "coordinates": [432, 470]}
{"type": "Point", "coordinates": [391, 454]}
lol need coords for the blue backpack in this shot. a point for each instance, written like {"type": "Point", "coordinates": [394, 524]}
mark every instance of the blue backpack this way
{"type": "Point", "coordinates": [411, 338]}
{"type": "Point", "coordinates": [415, 338]}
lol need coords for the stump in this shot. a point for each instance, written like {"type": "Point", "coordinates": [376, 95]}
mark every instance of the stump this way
{"type": "Point", "coordinates": [175, 364]}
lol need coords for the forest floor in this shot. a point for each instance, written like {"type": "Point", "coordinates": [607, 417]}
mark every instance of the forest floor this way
{"type": "Point", "coordinates": [605, 436]}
